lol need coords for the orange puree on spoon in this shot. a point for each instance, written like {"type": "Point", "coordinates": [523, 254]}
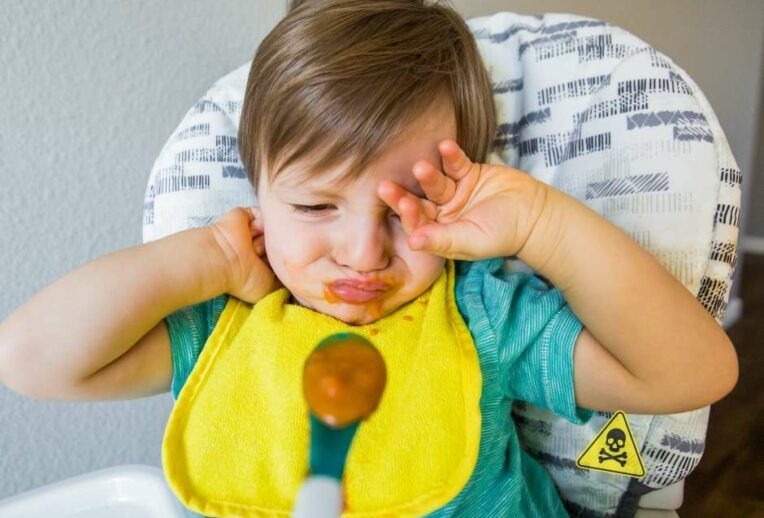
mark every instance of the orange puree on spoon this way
{"type": "Point", "coordinates": [343, 379]}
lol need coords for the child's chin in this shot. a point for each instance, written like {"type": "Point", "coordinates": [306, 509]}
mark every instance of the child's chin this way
{"type": "Point", "coordinates": [357, 315]}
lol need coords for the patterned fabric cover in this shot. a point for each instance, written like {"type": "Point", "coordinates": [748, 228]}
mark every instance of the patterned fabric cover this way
{"type": "Point", "coordinates": [590, 109]}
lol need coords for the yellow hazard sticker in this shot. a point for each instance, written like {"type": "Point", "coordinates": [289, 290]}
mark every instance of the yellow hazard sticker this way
{"type": "Point", "coordinates": [613, 450]}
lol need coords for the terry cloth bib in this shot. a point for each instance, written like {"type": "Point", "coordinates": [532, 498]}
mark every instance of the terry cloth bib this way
{"type": "Point", "coordinates": [237, 440]}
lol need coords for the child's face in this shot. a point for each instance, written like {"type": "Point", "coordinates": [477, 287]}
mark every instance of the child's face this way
{"type": "Point", "coordinates": [339, 249]}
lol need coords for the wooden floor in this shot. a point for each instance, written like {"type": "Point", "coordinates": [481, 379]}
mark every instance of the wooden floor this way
{"type": "Point", "coordinates": [729, 481]}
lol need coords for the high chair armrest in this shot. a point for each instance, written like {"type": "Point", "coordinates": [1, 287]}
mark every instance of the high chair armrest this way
{"type": "Point", "coordinates": [668, 498]}
{"type": "Point", "coordinates": [655, 513]}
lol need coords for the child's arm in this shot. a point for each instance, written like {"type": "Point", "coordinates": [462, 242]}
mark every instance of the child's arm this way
{"type": "Point", "coordinates": [99, 333]}
{"type": "Point", "coordinates": [657, 350]}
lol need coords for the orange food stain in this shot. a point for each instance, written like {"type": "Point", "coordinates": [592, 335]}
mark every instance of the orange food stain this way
{"type": "Point", "coordinates": [408, 317]}
{"type": "Point", "coordinates": [374, 332]}
{"type": "Point", "coordinates": [374, 306]}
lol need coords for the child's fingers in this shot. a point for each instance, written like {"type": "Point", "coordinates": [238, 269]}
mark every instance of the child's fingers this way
{"type": "Point", "coordinates": [410, 213]}
{"type": "Point", "coordinates": [457, 240]}
{"type": "Point", "coordinates": [438, 187]}
{"type": "Point", "coordinates": [392, 194]}
{"type": "Point", "coordinates": [456, 163]}
{"type": "Point", "coordinates": [258, 244]}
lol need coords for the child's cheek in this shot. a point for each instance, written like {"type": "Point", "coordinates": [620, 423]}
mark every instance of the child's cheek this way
{"type": "Point", "coordinates": [298, 265]}
{"type": "Point", "coordinates": [296, 247]}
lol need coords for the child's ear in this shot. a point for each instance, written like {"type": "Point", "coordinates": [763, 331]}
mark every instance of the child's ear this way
{"type": "Point", "coordinates": [256, 224]}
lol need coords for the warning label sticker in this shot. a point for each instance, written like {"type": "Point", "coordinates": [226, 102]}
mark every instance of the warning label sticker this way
{"type": "Point", "coordinates": [613, 450]}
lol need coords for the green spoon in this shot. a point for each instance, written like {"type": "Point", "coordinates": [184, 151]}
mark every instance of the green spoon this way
{"type": "Point", "coordinates": [343, 381]}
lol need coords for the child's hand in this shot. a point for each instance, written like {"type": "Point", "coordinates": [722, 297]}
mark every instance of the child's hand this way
{"type": "Point", "coordinates": [471, 211]}
{"type": "Point", "coordinates": [239, 234]}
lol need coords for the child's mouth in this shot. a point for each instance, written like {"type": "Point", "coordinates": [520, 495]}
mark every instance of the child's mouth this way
{"type": "Point", "coordinates": [357, 292]}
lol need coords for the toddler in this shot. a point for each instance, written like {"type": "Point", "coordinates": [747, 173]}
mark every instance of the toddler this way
{"type": "Point", "coordinates": [365, 130]}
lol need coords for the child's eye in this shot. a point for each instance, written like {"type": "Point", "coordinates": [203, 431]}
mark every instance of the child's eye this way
{"type": "Point", "coordinates": [313, 209]}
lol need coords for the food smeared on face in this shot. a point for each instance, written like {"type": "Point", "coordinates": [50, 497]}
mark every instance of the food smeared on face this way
{"type": "Point", "coordinates": [370, 293]}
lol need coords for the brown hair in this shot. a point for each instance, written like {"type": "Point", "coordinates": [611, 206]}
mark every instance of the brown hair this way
{"type": "Point", "coordinates": [340, 79]}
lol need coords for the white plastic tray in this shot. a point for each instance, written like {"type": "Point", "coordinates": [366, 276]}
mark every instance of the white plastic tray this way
{"type": "Point", "coordinates": [129, 491]}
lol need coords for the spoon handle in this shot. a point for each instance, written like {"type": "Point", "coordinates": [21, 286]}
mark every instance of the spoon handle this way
{"type": "Point", "coordinates": [319, 497]}
{"type": "Point", "coordinates": [329, 447]}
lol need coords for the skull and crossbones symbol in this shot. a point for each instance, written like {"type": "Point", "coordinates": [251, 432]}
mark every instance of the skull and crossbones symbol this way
{"type": "Point", "coordinates": [615, 441]}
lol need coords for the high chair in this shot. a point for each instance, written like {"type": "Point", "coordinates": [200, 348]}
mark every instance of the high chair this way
{"type": "Point", "coordinates": [594, 111]}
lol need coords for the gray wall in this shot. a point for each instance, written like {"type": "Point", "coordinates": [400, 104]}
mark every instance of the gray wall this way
{"type": "Point", "coordinates": [756, 188]}
{"type": "Point", "coordinates": [92, 89]}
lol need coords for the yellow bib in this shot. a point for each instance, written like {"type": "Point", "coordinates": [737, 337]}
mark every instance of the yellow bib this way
{"type": "Point", "coordinates": [236, 443]}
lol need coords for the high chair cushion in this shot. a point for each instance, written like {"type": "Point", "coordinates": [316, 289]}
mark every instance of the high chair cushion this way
{"type": "Point", "coordinates": [590, 109]}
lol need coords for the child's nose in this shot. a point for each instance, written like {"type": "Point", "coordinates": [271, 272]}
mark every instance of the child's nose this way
{"type": "Point", "coordinates": [365, 247]}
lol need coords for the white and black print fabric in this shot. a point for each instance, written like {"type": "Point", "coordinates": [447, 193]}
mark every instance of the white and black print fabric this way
{"type": "Point", "coordinates": [590, 109]}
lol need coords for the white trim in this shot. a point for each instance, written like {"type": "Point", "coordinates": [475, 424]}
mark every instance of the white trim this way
{"type": "Point", "coordinates": [733, 313]}
{"type": "Point", "coordinates": [752, 244]}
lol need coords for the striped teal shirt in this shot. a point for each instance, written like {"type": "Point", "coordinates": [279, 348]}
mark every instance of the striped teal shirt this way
{"type": "Point", "coordinates": [524, 333]}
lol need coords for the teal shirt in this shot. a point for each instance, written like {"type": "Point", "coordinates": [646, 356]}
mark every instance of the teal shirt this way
{"type": "Point", "coordinates": [524, 333]}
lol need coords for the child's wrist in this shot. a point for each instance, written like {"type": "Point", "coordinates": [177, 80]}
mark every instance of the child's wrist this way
{"type": "Point", "coordinates": [215, 272]}
{"type": "Point", "coordinates": [547, 232]}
